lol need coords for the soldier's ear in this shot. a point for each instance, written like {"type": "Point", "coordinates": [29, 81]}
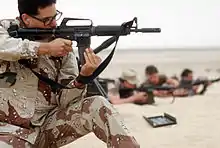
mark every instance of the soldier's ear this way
{"type": "Point", "coordinates": [26, 20]}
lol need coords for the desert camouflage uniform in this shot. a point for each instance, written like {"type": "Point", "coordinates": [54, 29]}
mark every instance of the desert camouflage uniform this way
{"type": "Point", "coordinates": [31, 115]}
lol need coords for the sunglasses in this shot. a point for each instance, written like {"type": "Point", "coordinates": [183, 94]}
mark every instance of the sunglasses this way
{"type": "Point", "coordinates": [48, 20]}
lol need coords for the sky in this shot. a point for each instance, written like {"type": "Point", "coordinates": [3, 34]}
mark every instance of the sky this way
{"type": "Point", "coordinates": [183, 23]}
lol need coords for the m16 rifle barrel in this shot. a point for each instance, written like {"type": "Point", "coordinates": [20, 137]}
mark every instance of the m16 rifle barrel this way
{"type": "Point", "coordinates": [147, 30]}
{"type": "Point", "coordinates": [115, 30]}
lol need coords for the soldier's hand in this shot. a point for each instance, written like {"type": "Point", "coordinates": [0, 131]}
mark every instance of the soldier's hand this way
{"type": "Point", "coordinates": [140, 97]}
{"type": "Point", "coordinates": [59, 47]}
{"type": "Point", "coordinates": [92, 61]}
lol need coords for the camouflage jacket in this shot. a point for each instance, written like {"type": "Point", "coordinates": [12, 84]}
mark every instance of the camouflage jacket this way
{"type": "Point", "coordinates": [26, 103]}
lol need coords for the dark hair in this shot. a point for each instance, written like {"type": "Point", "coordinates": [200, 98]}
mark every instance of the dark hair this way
{"type": "Point", "coordinates": [186, 72]}
{"type": "Point", "coordinates": [151, 69]}
{"type": "Point", "coordinates": [31, 6]}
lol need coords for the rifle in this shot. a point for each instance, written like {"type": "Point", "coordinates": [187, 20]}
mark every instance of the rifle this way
{"type": "Point", "coordinates": [82, 35]}
{"type": "Point", "coordinates": [106, 80]}
{"type": "Point", "coordinates": [149, 89]}
{"type": "Point", "coordinates": [199, 82]}
{"type": "Point", "coordinates": [205, 84]}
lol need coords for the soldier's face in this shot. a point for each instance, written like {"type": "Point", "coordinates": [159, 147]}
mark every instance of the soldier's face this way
{"type": "Point", "coordinates": [46, 18]}
{"type": "Point", "coordinates": [153, 78]}
{"type": "Point", "coordinates": [189, 77]}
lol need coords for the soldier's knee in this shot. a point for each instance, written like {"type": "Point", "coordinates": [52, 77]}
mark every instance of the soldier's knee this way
{"type": "Point", "coordinates": [97, 102]}
{"type": "Point", "coordinates": [97, 99]}
{"type": "Point", "coordinates": [102, 101]}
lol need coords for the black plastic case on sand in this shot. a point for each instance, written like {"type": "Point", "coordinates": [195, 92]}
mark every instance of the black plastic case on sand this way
{"type": "Point", "coordinates": [159, 121]}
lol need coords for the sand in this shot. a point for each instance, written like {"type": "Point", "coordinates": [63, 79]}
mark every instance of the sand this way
{"type": "Point", "coordinates": [198, 117]}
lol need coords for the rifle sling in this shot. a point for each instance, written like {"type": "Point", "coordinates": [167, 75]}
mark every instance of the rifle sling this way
{"type": "Point", "coordinates": [82, 79]}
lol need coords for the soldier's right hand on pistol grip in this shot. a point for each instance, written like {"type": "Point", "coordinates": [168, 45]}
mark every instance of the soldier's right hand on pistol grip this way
{"type": "Point", "coordinates": [60, 47]}
{"type": "Point", "coordinates": [140, 96]}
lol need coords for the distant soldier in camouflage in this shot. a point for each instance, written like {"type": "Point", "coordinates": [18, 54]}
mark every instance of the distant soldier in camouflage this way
{"type": "Point", "coordinates": [31, 114]}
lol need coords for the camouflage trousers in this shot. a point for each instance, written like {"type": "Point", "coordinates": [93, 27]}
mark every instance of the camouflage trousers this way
{"type": "Point", "coordinates": [66, 124]}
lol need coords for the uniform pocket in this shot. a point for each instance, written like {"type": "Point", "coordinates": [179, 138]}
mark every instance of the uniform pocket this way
{"type": "Point", "coordinates": [7, 79]}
